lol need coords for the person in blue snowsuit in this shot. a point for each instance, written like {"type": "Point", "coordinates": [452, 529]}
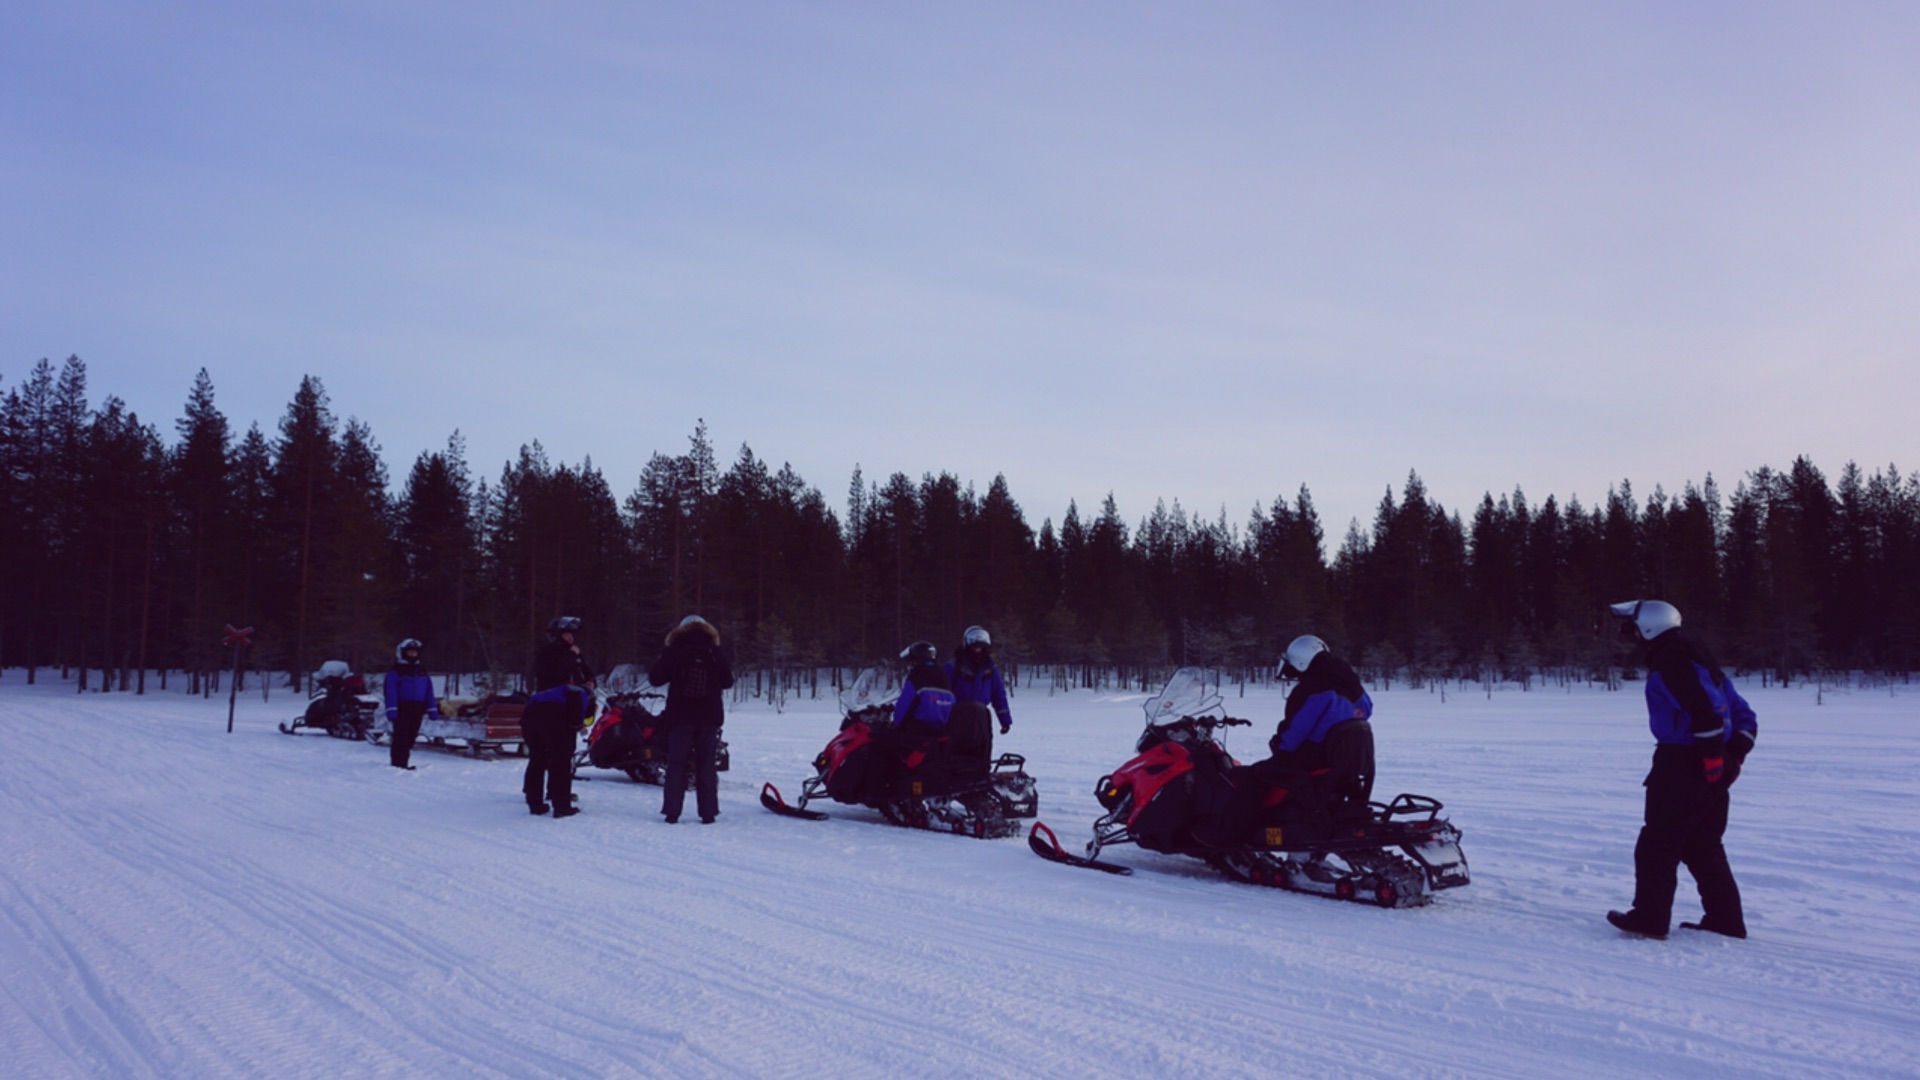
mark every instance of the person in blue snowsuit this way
{"type": "Point", "coordinates": [1703, 731]}
{"type": "Point", "coordinates": [977, 688]}
{"type": "Point", "coordinates": [926, 695]}
{"type": "Point", "coordinates": [1327, 694]}
{"type": "Point", "coordinates": [410, 699]}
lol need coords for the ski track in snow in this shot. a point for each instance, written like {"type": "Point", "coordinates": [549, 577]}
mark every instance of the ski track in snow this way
{"type": "Point", "coordinates": [177, 901]}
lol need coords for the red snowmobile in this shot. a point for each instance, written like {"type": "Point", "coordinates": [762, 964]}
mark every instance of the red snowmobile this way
{"type": "Point", "coordinates": [1325, 836]}
{"type": "Point", "coordinates": [627, 735]}
{"type": "Point", "coordinates": [916, 784]}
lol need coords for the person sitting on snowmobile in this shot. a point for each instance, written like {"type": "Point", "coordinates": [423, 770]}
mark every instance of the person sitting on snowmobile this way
{"type": "Point", "coordinates": [1328, 694]}
{"type": "Point", "coordinates": [926, 696]}
{"type": "Point", "coordinates": [921, 717]}
{"type": "Point", "coordinates": [409, 693]}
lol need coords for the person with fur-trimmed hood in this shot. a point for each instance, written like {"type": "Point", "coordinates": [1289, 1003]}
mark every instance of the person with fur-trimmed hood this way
{"type": "Point", "coordinates": [696, 673]}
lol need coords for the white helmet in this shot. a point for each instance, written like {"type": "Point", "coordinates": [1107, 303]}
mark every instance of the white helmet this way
{"type": "Point", "coordinates": [400, 650]}
{"type": "Point", "coordinates": [1651, 617]}
{"type": "Point", "coordinates": [976, 635]}
{"type": "Point", "coordinates": [1300, 652]}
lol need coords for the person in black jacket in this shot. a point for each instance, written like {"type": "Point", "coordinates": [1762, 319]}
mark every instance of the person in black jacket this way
{"type": "Point", "coordinates": [559, 662]}
{"type": "Point", "coordinates": [696, 673]}
{"type": "Point", "coordinates": [563, 686]}
{"type": "Point", "coordinates": [1702, 731]}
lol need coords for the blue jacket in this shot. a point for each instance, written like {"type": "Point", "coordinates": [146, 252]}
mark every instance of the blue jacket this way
{"type": "Point", "coordinates": [924, 697]}
{"type": "Point", "coordinates": [571, 700]}
{"type": "Point", "coordinates": [1328, 693]}
{"type": "Point", "coordinates": [1691, 702]}
{"type": "Point", "coordinates": [930, 705]}
{"type": "Point", "coordinates": [1317, 716]}
{"type": "Point", "coordinates": [410, 682]}
{"type": "Point", "coordinates": [980, 684]}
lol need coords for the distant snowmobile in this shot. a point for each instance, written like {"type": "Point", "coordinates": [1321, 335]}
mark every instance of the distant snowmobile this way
{"type": "Point", "coordinates": [916, 786]}
{"type": "Point", "coordinates": [1331, 842]}
{"type": "Point", "coordinates": [628, 736]}
{"type": "Point", "coordinates": [340, 705]}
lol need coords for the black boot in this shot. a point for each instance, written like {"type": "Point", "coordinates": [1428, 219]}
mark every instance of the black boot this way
{"type": "Point", "coordinates": [1634, 923]}
{"type": "Point", "coordinates": [1711, 927]}
{"type": "Point", "coordinates": [536, 808]}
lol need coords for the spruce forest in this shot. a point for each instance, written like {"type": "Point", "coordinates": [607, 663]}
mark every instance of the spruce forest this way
{"type": "Point", "coordinates": [127, 552]}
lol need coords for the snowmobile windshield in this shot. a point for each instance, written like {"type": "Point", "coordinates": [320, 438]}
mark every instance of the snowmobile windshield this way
{"type": "Point", "coordinates": [1190, 692]}
{"type": "Point", "coordinates": [874, 686]}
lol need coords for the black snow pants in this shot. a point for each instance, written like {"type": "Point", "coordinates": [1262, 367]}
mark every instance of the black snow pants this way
{"type": "Point", "coordinates": [406, 729]}
{"type": "Point", "coordinates": [1685, 820]}
{"type": "Point", "coordinates": [548, 731]}
{"type": "Point", "coordinates": [695, 744]}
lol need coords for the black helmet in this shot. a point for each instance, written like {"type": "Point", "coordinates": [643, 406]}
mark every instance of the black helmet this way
{"type": "Point", "coordinates": [400, 650]}
{"type": "Point", "coordinates": [920, 652]}
{"type": "Point", "coordinates": [562, 624]}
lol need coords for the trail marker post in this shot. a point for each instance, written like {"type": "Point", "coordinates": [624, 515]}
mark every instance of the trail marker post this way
{"type": "Point", "coordinates": [239, 639]}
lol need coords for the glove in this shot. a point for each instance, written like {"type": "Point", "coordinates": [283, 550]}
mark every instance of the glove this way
{"type": "Point", "coordinates": [392, 715]}
{"type": "Point", "coordinates": [1715, 767]}
{"type": "Point", "coordinates": [1005, 726]}
{"type": "Point", "coordinates": [433, 714]}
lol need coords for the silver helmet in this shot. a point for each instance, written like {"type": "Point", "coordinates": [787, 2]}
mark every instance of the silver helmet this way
{"type": "Point", "coordinates": [1300, 652]}
{"type": "Point", "coordinates": [1650, 617]}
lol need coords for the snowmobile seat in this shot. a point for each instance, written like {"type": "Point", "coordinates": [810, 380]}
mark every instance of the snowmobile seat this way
{"type": "Point", "coordinates": [1348, 778]}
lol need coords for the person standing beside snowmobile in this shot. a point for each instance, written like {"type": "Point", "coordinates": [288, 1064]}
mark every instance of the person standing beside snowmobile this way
{"type": "Point", "coordinates": [1327, 694]}
{"type": "Point", "coordinates": [1703, 730]}
{"type": "Point", "coordinates": [976, 685]}
{"type": "Point", "coordinates": [696, 673]}
{"type": "Point", "coordinates": [559, 662]}
{"type": "Point", "coordinates": [410, 699]}
{"type": "Point", "coordinates": [550, 723]}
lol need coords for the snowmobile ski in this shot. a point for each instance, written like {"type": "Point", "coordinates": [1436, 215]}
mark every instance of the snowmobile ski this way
{"type": "Point", "coordinates": [1050, 850]}
{"type": "Point", "coordinates": [770, 798]}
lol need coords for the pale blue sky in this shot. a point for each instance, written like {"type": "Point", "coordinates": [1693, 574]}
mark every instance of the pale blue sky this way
{"type": "Point", "coordinates": [1203, 252]}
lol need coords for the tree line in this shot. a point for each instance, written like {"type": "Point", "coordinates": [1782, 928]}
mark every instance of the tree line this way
{"type": "Point", "coordinates": [126, 552]}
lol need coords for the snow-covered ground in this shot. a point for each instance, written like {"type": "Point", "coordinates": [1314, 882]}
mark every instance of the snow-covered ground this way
{"type": "Point", "coordinates": [181, 902]}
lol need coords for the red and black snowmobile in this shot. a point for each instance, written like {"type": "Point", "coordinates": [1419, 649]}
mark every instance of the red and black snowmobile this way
{"type": "Point", "coordinates": [629, 737]}
{"type": "Point", "coordinates": [1324, 836]}
{"type": "Point", "coordinates": [916, 783]}
{"type": "Point", "coordinates": [340, 705]}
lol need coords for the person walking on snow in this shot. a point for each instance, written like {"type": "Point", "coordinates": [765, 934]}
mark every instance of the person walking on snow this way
{"type": "Point", "coordinates": [696, 673]}
{"type": "Point", "coordinates": [1703, 731]}
{"type": "Point", "coordinates": [410, 699]}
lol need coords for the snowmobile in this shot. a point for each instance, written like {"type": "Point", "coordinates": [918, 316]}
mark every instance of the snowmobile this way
{"type": "Point", "coordinates": [1327, 838]}
{"type": "Point", "coordinates": [628, 736]}
{"type": "Point", "coordinates": [340, 705]}
{"type": "Point", "coordinates": [912, 783]}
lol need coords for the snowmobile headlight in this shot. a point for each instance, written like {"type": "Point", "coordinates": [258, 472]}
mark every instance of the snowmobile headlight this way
{"type": "Point", "coordinates": [1108, 793]}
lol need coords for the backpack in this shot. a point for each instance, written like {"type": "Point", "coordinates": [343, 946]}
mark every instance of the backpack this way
{"type": "Point", "coordinates": [695, 680]}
